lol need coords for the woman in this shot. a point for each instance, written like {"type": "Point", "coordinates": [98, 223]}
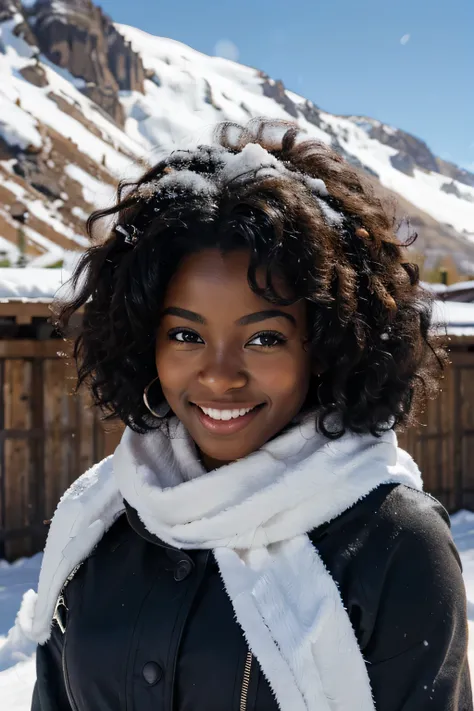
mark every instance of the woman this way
{"type": "Point", "coordinates": [257, 541]}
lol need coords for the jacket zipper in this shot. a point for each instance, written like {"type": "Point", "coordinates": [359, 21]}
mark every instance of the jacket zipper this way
{"type": "Point", "coordinates": [61, 603]}
{"type": "Point", "coordinates": [246, 681]}
{"type": "Point", "coordinates": [72, 703]}
{"type": "Point", "coordinates": [57, 617]}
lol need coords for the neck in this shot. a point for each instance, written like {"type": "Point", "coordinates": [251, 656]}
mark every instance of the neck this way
{"type": "Point", "coordinates": [209, 463]}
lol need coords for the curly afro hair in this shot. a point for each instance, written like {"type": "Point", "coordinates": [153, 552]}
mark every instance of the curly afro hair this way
{"type": "Point", "coordinates": [303, 211]}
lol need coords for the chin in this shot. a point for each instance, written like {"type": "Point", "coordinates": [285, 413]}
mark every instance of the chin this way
{"type": "Point", "coordinates": [227, 452]}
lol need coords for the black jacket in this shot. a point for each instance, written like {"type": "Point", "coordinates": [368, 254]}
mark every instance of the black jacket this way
{"type": "Point", "coordinates": [150, 628]}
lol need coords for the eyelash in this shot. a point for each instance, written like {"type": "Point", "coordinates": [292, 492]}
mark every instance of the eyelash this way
{"type": "Point", "coordinates": [278, 337]}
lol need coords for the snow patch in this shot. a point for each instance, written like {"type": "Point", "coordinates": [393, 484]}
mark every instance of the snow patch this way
{"type": "Point", "coordinates": [30, 283]}
{"type": "Point", "coordinates": [80, 213]}
{"type": "Point", "coordinates": [17, 647]}
{"type": "Point", "coordinates": [18, 128]}
{"type": "Point", "coordinates": [454, 318]}
{"type": "Point", "coordinates": [95, 191]}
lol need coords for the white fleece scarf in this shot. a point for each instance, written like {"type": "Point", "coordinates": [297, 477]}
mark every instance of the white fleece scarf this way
{"type": "Point", "coordinates": [254, 514]}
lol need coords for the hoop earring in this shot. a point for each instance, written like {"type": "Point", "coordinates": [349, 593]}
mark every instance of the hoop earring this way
{"type": "Point", "coordinates": [162, 409]}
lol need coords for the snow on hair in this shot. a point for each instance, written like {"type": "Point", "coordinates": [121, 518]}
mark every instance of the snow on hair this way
{"type": "Point", "coordinates": [174, 180]}
{"type": "Point", "coordinates": [316, 185]}
{"type": "Point", "coordinates": [331, 217]}
{"type": "Point", "coordinates": [252, 159]}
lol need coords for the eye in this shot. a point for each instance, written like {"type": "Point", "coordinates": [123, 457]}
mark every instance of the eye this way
{"type": "Point", "coordinates": [184, 335]}
{"type": "Point", "coordinates": [267, 339]}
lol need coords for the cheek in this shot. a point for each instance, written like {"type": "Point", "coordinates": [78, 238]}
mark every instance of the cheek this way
{"type": "Point", "coordinates": [285, 376]}
{"type": "Point", "coordinates": [171, 369]}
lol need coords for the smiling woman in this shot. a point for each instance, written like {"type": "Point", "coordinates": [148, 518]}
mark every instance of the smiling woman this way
{"type": "Point", "coordinates": [258, 541]}
{"type": "Point", "coordinates": [233, 370]}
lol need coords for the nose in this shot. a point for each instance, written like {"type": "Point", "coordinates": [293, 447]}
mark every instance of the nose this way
{"type": "Point", "coordinates": [221, 373]}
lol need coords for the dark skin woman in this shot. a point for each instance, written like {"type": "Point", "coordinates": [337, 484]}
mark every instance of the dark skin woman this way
{"type": "Point", "coordinates": [258, 541]}
{"type": "Point", "coordinates": [220, 346]}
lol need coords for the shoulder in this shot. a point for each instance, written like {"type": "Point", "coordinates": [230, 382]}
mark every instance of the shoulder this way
{"type": "Point", "coordinates": [416, 512]}
{"type": "Point", "coordinates": [392, 554]}
{"type": "Point", "coordinates": [418, 518]}
{"type": "Point", "coordinates": [394, 547]}
{"type": "Point", "coordinates": [413, 531]}
{"type": "Point", "coordinates": [393, 514]}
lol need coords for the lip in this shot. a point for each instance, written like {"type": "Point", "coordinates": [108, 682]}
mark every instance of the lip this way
{"type": "Point", "coordinates": [221, 405]}
{"type": "Point", "coordinates": [226, 427]}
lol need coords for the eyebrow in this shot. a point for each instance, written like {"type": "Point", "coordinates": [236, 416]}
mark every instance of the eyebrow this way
{"type": "Point", "coordinates": [184, 313]}
{"type": "Point", "coordinates": [264, 315]}
{"type": "Point", "coordinates": [244, 321]}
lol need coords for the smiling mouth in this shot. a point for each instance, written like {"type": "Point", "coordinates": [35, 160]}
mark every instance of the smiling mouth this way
{"type": "Point", "coordinates": [219, 414]}
{"type": "Point", "coordinates": [226, 420]}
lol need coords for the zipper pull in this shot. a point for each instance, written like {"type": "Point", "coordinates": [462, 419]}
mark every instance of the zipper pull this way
{"type": "Point", "coordinates": [57, 616]}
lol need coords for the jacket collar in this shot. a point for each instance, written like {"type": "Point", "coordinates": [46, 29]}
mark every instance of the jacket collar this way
{"type": "Point", "coordinates": [139, 527]}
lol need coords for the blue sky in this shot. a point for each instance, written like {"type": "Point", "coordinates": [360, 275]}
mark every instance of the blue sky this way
{"type": "Point", "coordinates": [409, 63]}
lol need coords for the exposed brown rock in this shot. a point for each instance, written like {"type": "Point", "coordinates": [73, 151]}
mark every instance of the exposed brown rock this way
{"type": "Point", "coordinates": [6, 150]}
{"type": "Point", "coordinates": [406, 144]}
{"type": "Point", "coordinates": [209, 96]}
{"type": "Point", "coordinates": [75, 112]}
{"type": "Point", "coordinates": [404, 163]}
{"type": "Point", "coordinates": [35, 74]}
{"type": "Point", "coordinates": [107, 99]}
{"type": "Point", "coordinates": [80, 38]}
{"type": "Point", "coordinates": [311, 113]}
{"type": "Point", "coordinates": [456, 173]}
{"type": "Point", "coordinates": [35, 171]}
{"type": "Point", "coordinates": [8, 8]}
{"type": "Point", "coordinates": [276, 90]}
{"type": "Point", "coordinates": [19, 211]}
{"type": "Point", "coordinates": [452, 189]}
{"type": "Point", "coordinates": [23, 30]}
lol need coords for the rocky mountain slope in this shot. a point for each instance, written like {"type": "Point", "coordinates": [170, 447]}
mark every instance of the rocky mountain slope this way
{"type": "Point", "coordinates": [85, 102]}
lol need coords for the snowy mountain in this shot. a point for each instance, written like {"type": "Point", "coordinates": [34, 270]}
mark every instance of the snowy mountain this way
{"type": "Point", "coordinates": [85, 102]}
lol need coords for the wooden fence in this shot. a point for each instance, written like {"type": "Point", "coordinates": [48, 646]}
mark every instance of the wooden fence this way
{"type": "Point", "coordinates": [48, 437]}
{"type": "Point", "coordinates": [444, 446]}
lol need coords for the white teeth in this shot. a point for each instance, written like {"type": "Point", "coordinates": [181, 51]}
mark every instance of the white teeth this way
{"type": "Point", "coordinates": [225, 414]}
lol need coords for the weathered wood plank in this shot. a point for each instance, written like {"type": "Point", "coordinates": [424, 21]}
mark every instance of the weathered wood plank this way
{"type": "Point", "coordinates": [32, 349]}
{"type": "Point", "coordinates": [18, 405]}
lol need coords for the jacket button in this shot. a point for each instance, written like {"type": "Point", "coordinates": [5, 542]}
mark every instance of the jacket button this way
{"type": "Point", "coordinates": [152, 673]}
{"type": "Point", "coordinates": [182, 570]}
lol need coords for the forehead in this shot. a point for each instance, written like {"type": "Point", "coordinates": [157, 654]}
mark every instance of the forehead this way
{"type": "Point", "coordinates": [212, 281]}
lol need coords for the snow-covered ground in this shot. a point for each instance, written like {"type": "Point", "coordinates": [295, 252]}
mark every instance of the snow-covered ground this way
{"type": "Point", "coordinates": [17, 655]}
{"type": "Point", "coordinates": [17, 663]}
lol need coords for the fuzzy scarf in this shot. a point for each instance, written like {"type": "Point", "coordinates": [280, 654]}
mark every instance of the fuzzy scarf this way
{"type": "Point", "coordinates": [254, 514]}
